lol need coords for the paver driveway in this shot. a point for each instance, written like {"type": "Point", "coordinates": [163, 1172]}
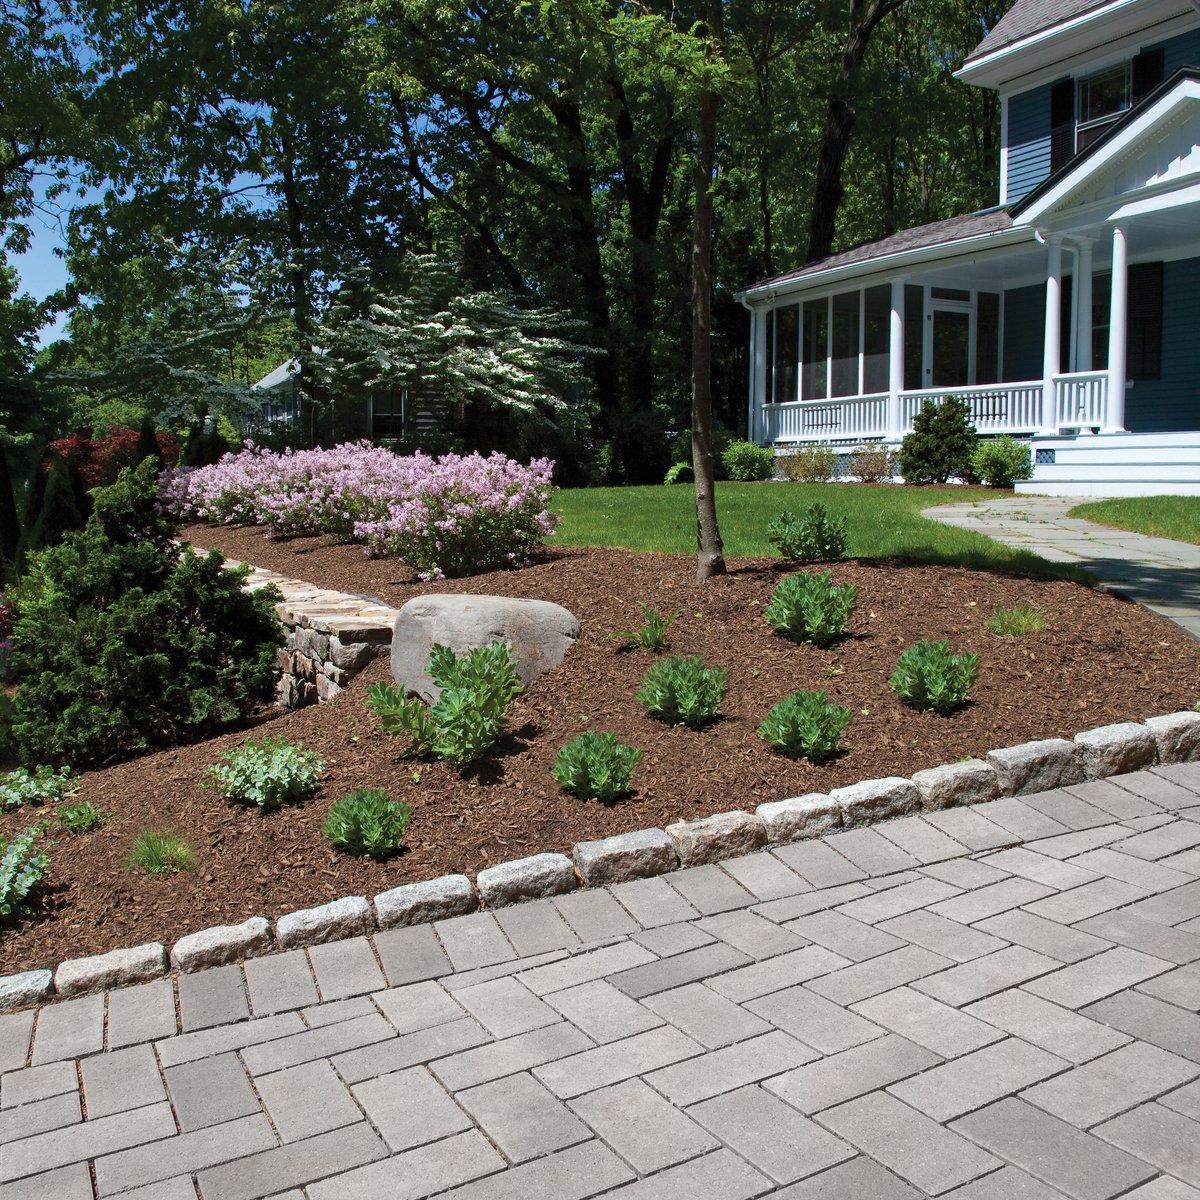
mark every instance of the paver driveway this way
{"type": "Point", "coordinates": [987, 1003]}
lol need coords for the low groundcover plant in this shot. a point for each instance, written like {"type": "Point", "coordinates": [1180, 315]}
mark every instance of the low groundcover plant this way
{"type": "Point", "coordinates": [929, 676]}
{"type": "Point", "coordinates": [367, 821]}
{"type": "Point", "coordinates": [651, 633]}
{"type": "Point", "coordinates": [81, 818]}
{"type": "Point", "coordinates": [814, 537]}
{"type": "Point", "coordinates": [683, 691]}
{"type": "Point", "coordinates": [595, 766]}
{"type": "Point", "coordinates": [805, 725]}
{"type": "Point", "coordinates": [265, 773]}
{"type": "Point", "coordinates": [20, 871]}
{"type": "Point", "coordinates": [811, 608]}
{"type": "Point", "coordinates": [21, 786]}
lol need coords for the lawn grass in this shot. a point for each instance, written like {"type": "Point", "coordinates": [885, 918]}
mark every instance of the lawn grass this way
{"type": "Point", "coordinates": [1175, 517]}
{"type": "Point", "coordinates": [881, 522]}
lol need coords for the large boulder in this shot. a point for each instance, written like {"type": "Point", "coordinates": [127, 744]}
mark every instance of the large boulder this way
{"type": "Point", "coordinates": [538, 633]}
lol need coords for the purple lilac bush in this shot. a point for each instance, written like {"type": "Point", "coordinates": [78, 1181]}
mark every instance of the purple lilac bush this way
{"type": "Point", "coordinates": [456, 515]}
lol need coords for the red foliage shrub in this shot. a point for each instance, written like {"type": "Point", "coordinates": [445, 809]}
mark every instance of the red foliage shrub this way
{"type": "Point", "coordinates": [100, 462]}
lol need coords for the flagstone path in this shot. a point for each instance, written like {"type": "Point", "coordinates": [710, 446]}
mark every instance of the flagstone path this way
{"type": "Point", "coordinates": [985, 1003]}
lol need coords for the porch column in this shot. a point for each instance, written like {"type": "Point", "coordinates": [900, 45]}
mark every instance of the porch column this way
{"type": "Point", "coordinates": [896, 361]}
{"type": "Point", "coordinates": [758, 373]}
{"type": "Point", "coordinates": [1083, 316]}
{"type": "Point", "coordinates": [1115, 410]}
{"type": "Point", "coordinates": [1051, 346]}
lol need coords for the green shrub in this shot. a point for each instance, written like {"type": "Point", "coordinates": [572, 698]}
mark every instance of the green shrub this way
{"type": "Point", "coordinates": [941, 444]}
{"type": "Point", "coordinates": [804, 725]}
{"type": "Point", "coordinates": [265, 773]}
{"type": "Point", "coordinates": [20, 787]}
{"type": "Point", "coordinates": [160, 854]}
{"type": "Point", "coordinates": [811, 608]}
{"type": "Point", "coordinates": [928, 676]}
{"type": "Point", "coordinates": [81, 818]}
{"type": "Point", "coordinates": [1021, 619]}
{"type": "Point", "coordinates": [595, 766]}
{"type": "Point", "coordinates": [20, 871]}
{"type": "Point", "coordinates": [873, 464]}
{"type": "Point", "coordinates": [814, 536]}
{"type": "Point", "coordinates": [367, 821]}
{"type": "Point", "coordinates": [745, 462]}
{"type": "Point", "coordinates": [682, 691]}
{"type": "Point", "coordinates": [808, 464]}
{"type": "Point", "coordinates": [651, 634]}
{"type": "Point", "coordinates": [128, 642]}
{"type": "Point", "coordinates": [1001, 461]}
{"type": "Point", "coordinates": [471, 713]}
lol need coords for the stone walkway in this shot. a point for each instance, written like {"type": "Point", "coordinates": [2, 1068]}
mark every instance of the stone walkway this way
{"type": "Point", "coordinates": [1156, 572]}
{"type": "Point", "coordinates": [984, 1003]}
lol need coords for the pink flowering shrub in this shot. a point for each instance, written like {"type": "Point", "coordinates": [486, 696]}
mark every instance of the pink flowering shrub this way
{"type": "Point", "coordinates": [455, 516]}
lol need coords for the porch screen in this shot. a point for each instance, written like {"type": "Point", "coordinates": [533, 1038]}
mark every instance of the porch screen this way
{"type": "Point", "coordinates": [877, 324]}
{"type": "Point", "coordinates": [843, 361]}
{"type": "Point", "coordinates": [816, 348]}
{"type": "Point", "coordinates": [987, 337]}
{"type": "Point", "coordinates": [914, 335]}
{"type": "Point", "coordinates": [787, 353]}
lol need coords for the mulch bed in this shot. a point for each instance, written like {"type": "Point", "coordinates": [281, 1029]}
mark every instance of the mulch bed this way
{"type": "Point", "coordinates": [1099, 660]}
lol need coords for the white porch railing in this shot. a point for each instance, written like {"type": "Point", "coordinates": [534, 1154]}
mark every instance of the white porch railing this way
{"type": "Point", "coordinates": [1081, 399]}
{"type": "Point", "coordinates": [995, 407]}
{"type": "Point", "coordinates": [826, 420]}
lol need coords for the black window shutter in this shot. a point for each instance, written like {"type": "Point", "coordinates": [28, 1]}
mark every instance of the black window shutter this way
{"type": "Point", "coordinates": [1147, 73]}
{"type": "Point", "coordinates": [1143, 344]}
{"type": "Point", "coordinates": [1062, 123]}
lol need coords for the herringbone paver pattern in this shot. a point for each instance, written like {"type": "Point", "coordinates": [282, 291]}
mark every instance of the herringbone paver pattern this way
{"type": "Point", "coordinates": [976, 1004]}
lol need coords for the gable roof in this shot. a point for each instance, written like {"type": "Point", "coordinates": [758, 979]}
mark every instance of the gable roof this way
{"type": "Point", "coordinates": [1031, 16]}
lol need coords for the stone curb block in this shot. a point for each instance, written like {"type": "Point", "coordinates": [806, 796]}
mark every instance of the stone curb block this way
{"type": "Point", "coordinates": [17, 991]}
{"type": "Point", "coordinates": [874, 799]}
{"type": "Point", "coordinates": [526, 879]}
{"type": "Point", "coordinates": [429, 900]}
{"type": "Point", "coordinates": [807, 816]}
{"type": "Point", "coordinates": [77, 976]}
{"type": "Point", "coordinates": [348, 917]}
{"type": "Point", "coordinates": [221, 944]}
{"type": "Point", "coordinates": [1037, 766]}
{"type": "Point", "coordinates": [1116, 749]}
{"type": "Point", "coordinates": [636, 855]}
{"type": "Point", "coordinates": [723, 835]}
{"type": "Point", "coordinates": [1177, 735]}
{"type": "Point", "coordinates": [970, 782]}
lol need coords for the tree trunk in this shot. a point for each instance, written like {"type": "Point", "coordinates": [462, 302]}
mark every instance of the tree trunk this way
{"type": "Point", "coordinates": [10, 525]}
{"type": "Point", "coordinates": [711, 552]}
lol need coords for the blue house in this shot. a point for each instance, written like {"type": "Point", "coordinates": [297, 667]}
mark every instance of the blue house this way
{"type": "Point", "coordinates": [1068, 315]}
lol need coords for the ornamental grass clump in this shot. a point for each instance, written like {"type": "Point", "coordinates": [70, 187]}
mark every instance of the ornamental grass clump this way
{"type": "Point", "coordinates": [595, 766]}
{"type": "Point", "coordinates": [683, 691]}
{"type": "Point", "coordinates": [471, 713]}
{"type": "Point", "coordinates": [20, 871]}
{"type": "Point", "coordinates": [810, 608]}
{"type": "Point", "coordinates": [805, 725]}
{"type": "Point", "coordinates": [1017, 621]}
{"type": "Point", "coordinates": [156, 853]}
{"type": "Point", "coordinates": [368, 822]}
{"type": "Point", "coordinates": [929, 676]}
{"type": "Point", "coordinates": [651, 633]}
{"type": "Point", "coordinates": [815, 536]}
{"type": "Point", "coordinates": [453, 516]}
{"type": "Point", "coordinates": [266, 773]}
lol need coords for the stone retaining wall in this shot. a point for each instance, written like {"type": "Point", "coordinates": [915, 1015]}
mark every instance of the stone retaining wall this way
{"type": "Point", "coordinates": [323, 654]}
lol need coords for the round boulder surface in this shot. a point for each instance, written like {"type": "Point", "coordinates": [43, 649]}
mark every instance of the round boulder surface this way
{"type": "Point", "coordinates": [538, 633]}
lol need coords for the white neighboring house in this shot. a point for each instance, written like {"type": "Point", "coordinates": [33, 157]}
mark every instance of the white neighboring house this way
{"type": "Point", "coordinates": [1070, 314]}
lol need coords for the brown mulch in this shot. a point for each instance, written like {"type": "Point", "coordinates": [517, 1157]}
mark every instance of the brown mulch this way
{"type": "Point", "coordinates": [1099, 660]}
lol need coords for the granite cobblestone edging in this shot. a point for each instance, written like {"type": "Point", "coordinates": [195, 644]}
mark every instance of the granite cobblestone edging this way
{"type": "Point", "coordinates": [1025, 769]}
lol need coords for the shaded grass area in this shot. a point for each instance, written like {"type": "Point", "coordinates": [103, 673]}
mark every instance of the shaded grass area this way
{"type": "Point", "coordinates": [881, 522]}
{"type": "Point", "coordinates": [1175, 517]}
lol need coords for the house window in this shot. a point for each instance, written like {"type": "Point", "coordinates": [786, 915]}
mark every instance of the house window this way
{"type": "Point", "coordinates": [387, 414]}
{"type": "Point", "coordinates": [1103, 97]}
{"type": "Point", "coordinates": [787, 353]}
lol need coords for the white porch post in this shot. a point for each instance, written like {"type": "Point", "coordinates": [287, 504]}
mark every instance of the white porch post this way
{"type": "Point", "coordinates": [754, 418]}
{"type": "Point", "coordinates": [1118, 304]}
{"type": "Point", "coordinates": [1053, 335]}
{"type": "Point", "coordinates": [896, 361]}
{"type": "Point", "coordinates": [1073, 318]}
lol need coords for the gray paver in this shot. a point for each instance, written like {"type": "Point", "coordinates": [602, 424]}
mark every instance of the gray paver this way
{"type": "Point", "coordinates": [751, 934]}
{"type": "Point", "coordinates": [418, 1006]}
{"type": "Point", "coordinates": [1067, 845]}
{"type": "Point", "coordinates": [605, 1065]}
{"type": "Point", "coordinates": [279, 982]}
{"type": "Point", "coordinates": [1150, 876]}
{"type": "Point", "coordinates": [1139, 933]}
{"type": "Point", "coordinates": [988, 901]}
{"type": "Point", "coordinates": [748, 983]}
{"type": "Point", "coordinates": [1164, 1188]}
{"type": "Point", "coordinates": [1109, 796]}
{"type": "Point", "coordinates": [942, 936]}
{"type": "Point", "coordinates": [843, 935]}
{"type": "Point", "coordinates": [765, 875]}
{"type": "Point", "coordinates": [494, 1061]}
{"type": "Point", "coordinates": [474, 941]}
{"type": "Point", "coordinates": [642, 1127]}
{"type": "Point", "coordinates": [816, 900]}
{"type": "Point", "coordinates": [841, 1077]}
{"type": "Point", "coordinates": [729, 1068]}
{"type": "Point", "coordinates": [345, 968]}
{"type": "Point", "coordinates": [967, 873]}
{"type": "Point", "coordinates": [1173, 907]}
{"type": "Point", "coordinates": [573, 1174]}
{"type": "Point", "coordinates": [410, 1108]}
{"type": "Point", "coordinates": [817, 1022]}
{"type": "Point", "coordinates": [970, 828]}
{"type": "Point", "coordinates": [774, 1137]}
{"type": "Point", "coordinates": [718, 1176]}
{"type": "Point", "coordinates": [1181, 987]}
{"type": "Point", "coordinates": [1078, 1164]}
{"type": "Point", "coordinates": [191, 1046]}
{"type": "Point", "coordinates": [1048, 1025]}
{"type": "Point", "coordinates": [1041, 868]}
{"type": "Point", "coordinates": [306, 1100]}
{"type": "Point", "coordinates": [981, 977]}
{"type": "Point", "coordinates": [916, 1148]}
{"type": "Point", "coordinates": [1157, 787]}
{"type": "Point", "coordinates": [410, 955]}
{"type": "Point", "coordinates": [877, 975]}
{"type": "Point", "coordinates": [523, 1118]}
{"type": "Point", "coordinates": [316, 1043]}
{"type": "Point", "coordinates": [16, 1029]}
{"type": "Point", "coordinates": [583, 968]}
{"type": "Point", "coordinates": [40, 1117]}
{"type": "Point", "coordinates": [121, 1080]}
{"type": "Point", "coordinates": [709, 890]}
{"type": "Point", "coordinates": [854, 1180]}
{"type": "Point", "coordinates": [868, 850]}
{"type": "Point", "coordinates": [1046, 937]}
{"type": "Point", "coordinates": [593, 914]}
{"type": "Point", "coordinates": [142, 1013]}
{"type": "Point", "coordinates": [977, 1079]}
{"type": "Point", "coordinates": [818, 863]}
{"type": "Point", "coordinates": [702, 1014]}
{"type": "Point", "coordinates": [506, 1007]}
{"type": "Point", "coordinates": [926, 1021]}
{"type": "Point", "coordinates": [179, 1188]}
{"type": "Point", "coordinates": [916, 836]}
{"type": "Point", "coordinates": [643, 981]}
{"type": "Point", "coordinates": [902, 899]}
{"type": "Point", "coordinates": [1006, 1184]}
{"type": "Point", "coordinates": [653, 902]}
{"type": "Point", "coordinates": [602, 1012]}
{"type": "Point", "coordinates": [407, 1051]}
{"type": "Point", "coordinates": [1168, 839]}
{"type": "Point", "coordinates": [1021, 820]}
{"type": "Point", "coordinates": [1080, 903]}
{"type": "Point", "coordinates": [337, 1010]}
{"type": "Point", "coordinates": [67, 1183]}
{"type": "Point", "coordinates": [1068, 809]}
{"type": "Point", "coordinates": [1152, 1020]}
{"type": "Point", "coordinates": [1160, 1136]}
{"type": "Point", "coordinates": [209, 1091]}
{"type": "Point", "coordinates": [536, 927]}
{"type": "Point", "coordinates": [69, 1030]}
{"type": "Point", "coordinates": [216, 996]}
{"type": "Point", "coordinates": [37, 1083]}
{"type": "Point", "coordinates": [1093, 978]}
{"type": "Point", "coordinates": [665, 940]}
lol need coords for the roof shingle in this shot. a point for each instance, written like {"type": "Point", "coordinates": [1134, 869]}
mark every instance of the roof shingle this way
{"type": "Point", "coordinates": [1028, 17]}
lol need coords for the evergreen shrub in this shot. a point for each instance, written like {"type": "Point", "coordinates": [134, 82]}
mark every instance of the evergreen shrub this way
{"type": "Point", "coordinates": [805, 725]}
{"type": "Point", "coordinates": [810, 608]}
{"type": "Point", "coordinates": [746, 463]}
{"type": "Point", "coordinates": [941, 444]}
{"type": "Point", "coordinates": [1000, 461]}
{"type": "Point", "coordinates": [683, 691]}
{"type": "Point", "coordinates": [368, 822]}
{"type": "Point", "coordinates": [595, 766]}
{"type": "Point", "coordinates": [929, 676]}
{"type": "Point", "coordinates": [815, 536]}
